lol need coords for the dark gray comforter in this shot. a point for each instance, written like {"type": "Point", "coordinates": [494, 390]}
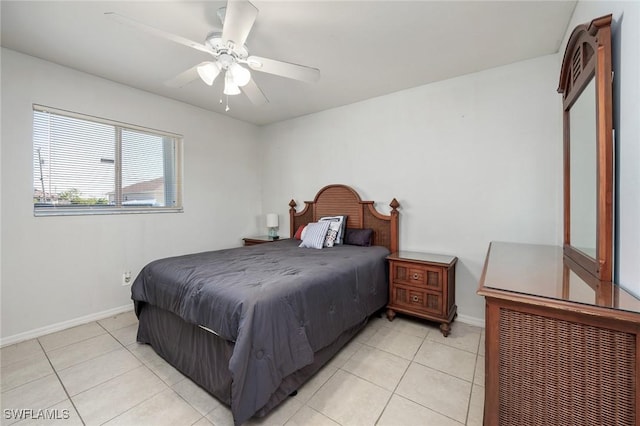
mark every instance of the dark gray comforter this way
{"type": "Point", "coordinates": [277, 302]}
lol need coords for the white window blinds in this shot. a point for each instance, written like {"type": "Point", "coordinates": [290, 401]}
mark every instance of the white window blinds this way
{"type": "Point", "coordinates": [86, 165]}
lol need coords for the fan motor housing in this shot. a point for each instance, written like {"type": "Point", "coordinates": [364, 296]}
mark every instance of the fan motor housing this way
{"type": "Point", "coordinates": [214, 41]}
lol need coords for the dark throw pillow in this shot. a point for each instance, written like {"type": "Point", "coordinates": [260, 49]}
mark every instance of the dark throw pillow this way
{"type": "Point", "coordinates": [358, 237]}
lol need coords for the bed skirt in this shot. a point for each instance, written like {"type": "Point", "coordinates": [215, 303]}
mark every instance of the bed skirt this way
{"type": "Point", "coordinates": [204, 357]}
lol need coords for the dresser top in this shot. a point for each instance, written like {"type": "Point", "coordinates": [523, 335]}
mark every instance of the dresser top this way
{"type": "Point", "coordinates": [540, 270]}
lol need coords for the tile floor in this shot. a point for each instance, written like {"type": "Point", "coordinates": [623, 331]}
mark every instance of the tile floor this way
{"type": "Point", "coordinates": [393, 373]}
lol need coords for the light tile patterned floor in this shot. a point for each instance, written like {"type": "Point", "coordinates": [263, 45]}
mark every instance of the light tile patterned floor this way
{"type": "Point", "coordinates": [393, 373]}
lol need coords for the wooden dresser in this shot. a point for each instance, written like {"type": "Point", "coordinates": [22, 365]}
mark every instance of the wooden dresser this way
{"type": "Point", "coordinates": [423, 285]}
{"type": "Point", "coordinates": [561, 348]}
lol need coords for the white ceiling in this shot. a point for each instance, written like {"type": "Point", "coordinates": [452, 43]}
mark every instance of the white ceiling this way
{"type": "Point", "coordinates": [362, 48]}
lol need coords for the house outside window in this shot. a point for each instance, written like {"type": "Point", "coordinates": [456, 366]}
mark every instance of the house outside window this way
{"type": "Point", "coordinates": [89, 165]}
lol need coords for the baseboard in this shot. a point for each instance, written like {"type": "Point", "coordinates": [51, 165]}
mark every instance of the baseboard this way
{"type": "Point", "coordinates": [16, 338]}
{"type": "Point", "coordinates": [478, 322]}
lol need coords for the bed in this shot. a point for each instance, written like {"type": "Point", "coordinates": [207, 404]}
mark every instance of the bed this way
{"type": "Point", "coordinates": [252, 324]}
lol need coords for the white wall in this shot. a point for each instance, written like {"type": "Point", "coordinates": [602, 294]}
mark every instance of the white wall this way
{"type": "Point", "coordinates": [626, 104]}
{"type": "Point", "coordinates": [59, 269]}
{"type": "Point", "coordinates": [471, 160]}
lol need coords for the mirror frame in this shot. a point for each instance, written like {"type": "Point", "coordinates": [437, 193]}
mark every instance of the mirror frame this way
{"type": "Point", "coordinates": [587, 56]}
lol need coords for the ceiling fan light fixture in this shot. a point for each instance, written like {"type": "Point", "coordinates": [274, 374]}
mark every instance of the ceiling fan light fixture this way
{"type": "Point", "coordinates": [230, 54]}
{"type": "Point", "coordinates": [208, 72]}
{"type": "Point", "coordinates": [230, 86]}
{"type": "Point", "coordinates": [240, 74]}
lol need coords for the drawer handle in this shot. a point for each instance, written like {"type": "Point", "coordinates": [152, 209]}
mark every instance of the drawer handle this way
{"type": "Point", "coordinates": [416, 276]}
{"type": "Point", "coordinates": [414, 298]}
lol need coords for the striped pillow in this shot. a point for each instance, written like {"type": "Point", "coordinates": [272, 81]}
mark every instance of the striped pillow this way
{"type": "Point", "coordinates": [315, 234]}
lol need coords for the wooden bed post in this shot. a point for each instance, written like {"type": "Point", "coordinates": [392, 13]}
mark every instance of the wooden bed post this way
{"type": "Point", "coordinates": [292, 212]}
{"type": "Point", "coordinates": [394, 226]}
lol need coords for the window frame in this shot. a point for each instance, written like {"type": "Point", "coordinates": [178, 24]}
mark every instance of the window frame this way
{"type": "Point", "coordinates": [113, 209]}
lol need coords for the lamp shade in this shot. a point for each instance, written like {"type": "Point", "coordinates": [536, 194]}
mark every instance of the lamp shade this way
{"type": "Point", "coordinates": [208, 71]}
{"type": "Point", "coordinates": [241, 75]}
{"type": "Point", "coordinates": [272, 220]}
{"type": "Point", "coordinates": [230, 87]}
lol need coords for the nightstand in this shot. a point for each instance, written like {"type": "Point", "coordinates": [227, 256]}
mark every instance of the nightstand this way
{"type": "Point", "coordinates": [423, 285]}
{"type": "Point", "coordinates": [260, 239]}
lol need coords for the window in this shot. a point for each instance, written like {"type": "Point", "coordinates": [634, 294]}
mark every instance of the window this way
{"type": "Point", "coordinates": [88, 165]}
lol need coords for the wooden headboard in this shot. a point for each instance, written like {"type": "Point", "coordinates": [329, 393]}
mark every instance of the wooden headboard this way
{"type": "Point", "coordinates": [333, 200]}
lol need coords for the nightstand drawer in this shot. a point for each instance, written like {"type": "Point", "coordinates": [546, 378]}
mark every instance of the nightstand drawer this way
{"type": "Point", "coordinates": [417, 299]}
{"type": "Point", "coordinates": [417, 275]}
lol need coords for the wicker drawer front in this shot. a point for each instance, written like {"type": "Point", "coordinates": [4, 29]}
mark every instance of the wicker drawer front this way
{"type": "Point", "coordinates": [557, 372]}
{"type": "Point", "coordinates": [417, 299]}
{"type": "Point", "coordinates": [419, 276]}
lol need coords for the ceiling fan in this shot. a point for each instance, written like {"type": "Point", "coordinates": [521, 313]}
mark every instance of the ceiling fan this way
{"type": "Point", "coordinates": [229, 54]}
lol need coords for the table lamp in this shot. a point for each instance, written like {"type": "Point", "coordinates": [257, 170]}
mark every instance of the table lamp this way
{"type": "Point", "coordinates": [272, 224]}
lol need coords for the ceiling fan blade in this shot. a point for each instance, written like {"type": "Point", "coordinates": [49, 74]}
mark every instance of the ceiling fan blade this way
{"type": "Point", "coordinates": [284, 69]}
{"type": "Point", "coordinates": [254, 93]}
{"type": "Point", "coordinates": [158, 33]}
{"type": "Point", "coordinates": [185, 77]}
{"type": "Point", "coordinates": [238, 21]}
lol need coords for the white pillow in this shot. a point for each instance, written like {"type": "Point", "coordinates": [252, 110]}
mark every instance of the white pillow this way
{"type": "Point", "coordinates": [342, 220]}
{"type": "Point", "coordinates": [315, 235]}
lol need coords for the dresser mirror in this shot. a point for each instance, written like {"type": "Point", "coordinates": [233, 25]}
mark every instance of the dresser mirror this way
{"type": "Point", "coordinates": [583, 197]}
{"type": "Point", "coordinates": [585, 85]}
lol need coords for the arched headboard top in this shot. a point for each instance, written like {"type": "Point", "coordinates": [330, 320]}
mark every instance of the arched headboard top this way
{"type": "Point", "coordinates": [339, 200]}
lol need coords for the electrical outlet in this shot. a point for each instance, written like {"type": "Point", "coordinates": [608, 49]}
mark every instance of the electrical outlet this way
{"type": "Point", "coordinates": [126, 278]}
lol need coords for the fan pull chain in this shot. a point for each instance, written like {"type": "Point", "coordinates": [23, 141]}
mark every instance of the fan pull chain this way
{"type": "Point", "coordinates": [226, 108]}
